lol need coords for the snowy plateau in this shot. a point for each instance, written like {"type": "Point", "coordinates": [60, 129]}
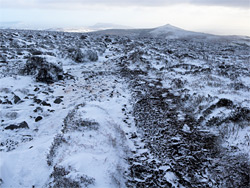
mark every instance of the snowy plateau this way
{"type": "Point", "coordinates": [152, 108]}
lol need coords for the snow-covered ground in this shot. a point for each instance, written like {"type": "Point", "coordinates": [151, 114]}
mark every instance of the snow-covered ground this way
{"type": "Point", "coordinates": [90, 110]}
{"type": "Point", "coordinates": [98, 152]}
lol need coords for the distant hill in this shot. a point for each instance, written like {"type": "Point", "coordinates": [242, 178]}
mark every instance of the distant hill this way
{"type": "Point", "coordinates": [104, 26]}
{"type": "Point", "coordinates": [96, 27]}
{"type": "Point", "coordinates": [171, 32]}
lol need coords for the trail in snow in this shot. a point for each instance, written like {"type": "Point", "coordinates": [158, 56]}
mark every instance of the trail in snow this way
{"type": "Point", "coordinates": [98, 153]}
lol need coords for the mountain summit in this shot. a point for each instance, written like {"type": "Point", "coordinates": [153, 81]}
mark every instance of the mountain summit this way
{"type": "Point", "coordinates": [172, 32]}
{"type": "Point", "coordinates": [166, 31]}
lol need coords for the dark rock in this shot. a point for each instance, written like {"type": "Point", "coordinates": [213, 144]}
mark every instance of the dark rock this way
{"type": "Point", "coordinates": [38, 109]}
{"type": "Point", "coordinates": [16, 99]}
{"type": "Point", "coordinates": [58, 101]}
{"type": "Point", "coordinates": [133, 136]}
{"type": "Point", "coordinates": [83, 37]}
{"type": "Point", "coordinates": [7, 102]}
{"type": "Point", "coordinates": [38, 118]}
{"type": "Point", "coordinates": [36, 89]}
{"type": "Point", "coordinates": [44, 70]}
{"type": "Point", "coordinates": [38, 101]}
{"type": "Point", "coordinates": [50, 90]}
{"type": "Point", "coordinates": [44, 76]}
{"type": "Point", "coordinates": [11, 127]}
{"type": "Point", "coordinates": [108, 40]}
{"type": "Point", "coordinates": [44, 103]}
{"type": "Point", "coordinates": [69, 76]}
{"type": "Point", "coordinates": [224, 103]}
{"type": "Point", "coordinates": [46, 93]}
{"type": "Point", "coordinates": [24, 124]}
{"type": "Point", "coordinates": [36, 52]}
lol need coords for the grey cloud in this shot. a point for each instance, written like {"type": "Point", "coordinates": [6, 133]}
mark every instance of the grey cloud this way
{"type": "Point", "coordinates": [54, 3]}
{"type": "Point", "coordinates": [236, 3]}
{"type": "Point", "coordinates": [233, 3]}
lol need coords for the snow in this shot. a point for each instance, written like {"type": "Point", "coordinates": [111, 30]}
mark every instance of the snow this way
{"type": "Point", "coordinates": [100, 131]}
{"type": "Point", "coordinates": [26, 166]}
{"type": "Point", "coordinates": [102, 152]}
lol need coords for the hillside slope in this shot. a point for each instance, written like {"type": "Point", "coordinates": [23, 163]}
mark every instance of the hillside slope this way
{"type": "Point", "coordinates": [91, 110]}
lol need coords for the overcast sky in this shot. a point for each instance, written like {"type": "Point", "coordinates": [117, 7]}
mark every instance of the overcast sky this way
{"type": "Point", "coordinates": [213, 16]}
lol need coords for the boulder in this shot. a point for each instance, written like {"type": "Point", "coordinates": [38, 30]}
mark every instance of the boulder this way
{"type": "Point", "coordinates": [58, 101]}
{"type": "Point", "coordinates": [16, 99]}
{"type": "Point", "coordinates": [46, 70]}
{"type": "Point", "coordinates": [22, 125]}
{"type": "Point", "coordinates": [38, 118]}
{"type": "Point", "coordinates": [79, 56]}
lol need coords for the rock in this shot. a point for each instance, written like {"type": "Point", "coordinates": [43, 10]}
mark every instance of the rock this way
{"type": "Point", "coordinates": [36, 89]}
{"type": "Point", "coordinates": [58, 101]}
{"type": "Point", "coordinates": [37, 101]}
{"type": "Point", "coordinates": [50, 90]}
{"type": "Point", "coordinates": [7, 102]}
{"type": "Point", "coordinates": [83, 37]}
{"type": "Point", "coordinates": [44, 76]}
{"type": "Point", "coordinates": [133, 136]}
{"type": "Point", "coordinates": [23, 125]}
{"type": "Point", "coordinates": [44, 69]}
{"type": "Point", "coordinates": [81, 56]}
{"type": "Point", "coordinates": [36, 52]}
{"type": "Point", "coordinates": [38, 109]}
{"type": "Point", "coordinates": [224, 103]}
{"type": "Point", "coordinates": [38, 118]}
{"type": "Point", "coordinates": [91, 55]}
{"type": "Point", "coordinates": [16, 99]}
{"type": "Point", "coordinates": [44, 103]}
{"type": "Point", "coordinates": [11, 127]}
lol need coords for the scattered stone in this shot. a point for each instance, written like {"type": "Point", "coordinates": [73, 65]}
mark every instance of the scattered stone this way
{"type": "Point", "coordinates": [46, 93]}
{"type": "Point", "coordinates": [36, 89]}
{"type": "Point", "coordinates": [11, 127]}
{"type": "Point", "coordinates": [58, 101]}
{"type": "Point", "coordinates": [7, 102]}
{"type": "Point", "coordinates": [37, 101]}
{"type": "Point", "coordinates": [38, 109]}
{"type": "Point", "coordinates": [24, 124]}
{"type": "Point", "coordinates": [224, 103]}
{"type": "Point", "coordinates": [16, 99]}
{"type": "Point", "coordinates": [133, 135]}
{"type": "Point", "coordinates": [51, 90]}
{"type": "Point", "coordinates": [44, 103]}
{"type": "Point", "coordinates": [21, 125]}
{"type": "Point", "coordinates": [44, 70]}
{"type": "Point", "coordinates": [38, 118]}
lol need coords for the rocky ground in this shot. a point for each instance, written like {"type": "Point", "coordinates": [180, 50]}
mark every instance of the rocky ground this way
{"type": "Point", "coordinates": [109, 111]}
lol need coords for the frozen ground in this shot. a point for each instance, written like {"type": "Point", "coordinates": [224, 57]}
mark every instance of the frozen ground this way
{"type": "Point", "coordinates": [115, 111]}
